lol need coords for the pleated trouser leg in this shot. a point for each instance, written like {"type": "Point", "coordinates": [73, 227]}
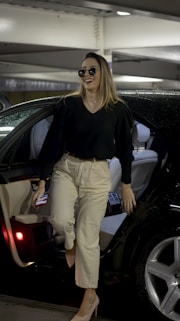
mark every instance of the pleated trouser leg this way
{"type": "Point", "coordinates": [89, 182]}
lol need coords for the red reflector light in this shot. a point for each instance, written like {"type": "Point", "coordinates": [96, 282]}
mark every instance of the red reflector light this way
{"type": "Point", "coordinates": [5, 234]}
{"type": "Point", "coordinates": [19, 236]}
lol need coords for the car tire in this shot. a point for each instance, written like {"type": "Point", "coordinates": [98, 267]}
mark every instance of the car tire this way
{"type": "Point", "coordinates": [157, 275]}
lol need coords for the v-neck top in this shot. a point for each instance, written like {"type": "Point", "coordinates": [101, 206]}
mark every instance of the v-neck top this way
{"type": "Point", "coordinates": [101, 135]}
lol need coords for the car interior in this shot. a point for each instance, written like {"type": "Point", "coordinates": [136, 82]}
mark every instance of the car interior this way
{"type": "Point", "coordinates": [16, 196]}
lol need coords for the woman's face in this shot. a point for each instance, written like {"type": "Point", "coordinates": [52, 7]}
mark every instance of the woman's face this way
{"type": "Point", "coordinates": [90, 74]}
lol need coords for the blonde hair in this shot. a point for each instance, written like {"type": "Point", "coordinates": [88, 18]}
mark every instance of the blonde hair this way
{"type": "Point", "coordinates": [107, 90]}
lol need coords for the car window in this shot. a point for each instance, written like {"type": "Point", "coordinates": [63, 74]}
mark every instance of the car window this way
{"type": "Point", "coordinates": [28, 145]}
{"type": "Point", "coordinates": [12, 120]}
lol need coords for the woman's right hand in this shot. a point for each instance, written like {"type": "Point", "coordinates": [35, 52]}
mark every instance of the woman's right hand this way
{"type": "Point", "coordinates": [38, 193]}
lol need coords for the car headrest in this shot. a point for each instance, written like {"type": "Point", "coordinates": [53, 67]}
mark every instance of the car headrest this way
{"type": "Point", "coordinates": [140, 134]}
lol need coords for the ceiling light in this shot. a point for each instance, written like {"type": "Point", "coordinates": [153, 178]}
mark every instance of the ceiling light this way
{"type": "Point", "coordinates": [5, 25]}
{"type": "Point", "coordinates": [2, 129]}
{"type": "Point", "coordinates": [123, 13]}
{"type": "Point", "coordinates": [135, 79]}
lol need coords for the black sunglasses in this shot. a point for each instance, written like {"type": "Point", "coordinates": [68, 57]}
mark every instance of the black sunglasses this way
{"type": "Point", "coordinates": [91, 71]}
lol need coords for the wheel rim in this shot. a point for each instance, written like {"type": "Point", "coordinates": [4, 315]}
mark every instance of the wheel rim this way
{"type": "Point", "coordinates": [162, 277]}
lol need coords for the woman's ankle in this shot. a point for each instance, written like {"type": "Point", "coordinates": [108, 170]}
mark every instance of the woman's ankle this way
{"type": "Point", "coordinates": [89, 299]}
{"type": "Point", "coordinates": [89, 295]}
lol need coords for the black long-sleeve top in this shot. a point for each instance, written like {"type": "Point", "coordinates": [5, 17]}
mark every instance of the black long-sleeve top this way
{"type": "Point", "coordinates": [103, 135]}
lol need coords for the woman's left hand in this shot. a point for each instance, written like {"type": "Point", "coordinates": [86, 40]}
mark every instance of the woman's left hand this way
{"type": "Point", "coordinates": [128, 198]}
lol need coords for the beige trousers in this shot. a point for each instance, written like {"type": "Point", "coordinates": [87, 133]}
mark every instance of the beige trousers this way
{"type": "Point", "coordinates": [87, 184]}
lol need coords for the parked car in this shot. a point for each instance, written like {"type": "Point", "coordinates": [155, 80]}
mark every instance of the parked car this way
{"type": "Point", "coordinates": [4, 102]}
{"type": "Point", "coordinates": [145, 246]}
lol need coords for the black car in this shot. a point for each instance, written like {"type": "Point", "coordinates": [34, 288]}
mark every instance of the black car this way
{"type": "Point", "coordinates": [143, 247]}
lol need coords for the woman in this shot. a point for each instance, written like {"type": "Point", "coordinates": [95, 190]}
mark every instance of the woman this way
{"type": "Point", "coordinates": [89, 127]}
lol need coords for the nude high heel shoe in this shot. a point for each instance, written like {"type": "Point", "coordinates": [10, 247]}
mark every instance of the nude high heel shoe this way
{"type": "Point", "coordinates": [70, 256]}
{"type": "Point", "coordinates": [88, 316]}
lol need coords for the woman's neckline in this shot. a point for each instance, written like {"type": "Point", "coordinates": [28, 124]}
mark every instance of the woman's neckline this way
{"type": "Point", "coordinates": [91, 105]}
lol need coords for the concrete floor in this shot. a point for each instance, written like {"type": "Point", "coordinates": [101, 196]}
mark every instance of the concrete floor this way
{"type": "Point", "coordinates": [18, 309]}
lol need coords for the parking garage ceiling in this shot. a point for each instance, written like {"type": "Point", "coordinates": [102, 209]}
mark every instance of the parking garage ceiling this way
{"type": "Point", "coordinates": [42, 43]}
